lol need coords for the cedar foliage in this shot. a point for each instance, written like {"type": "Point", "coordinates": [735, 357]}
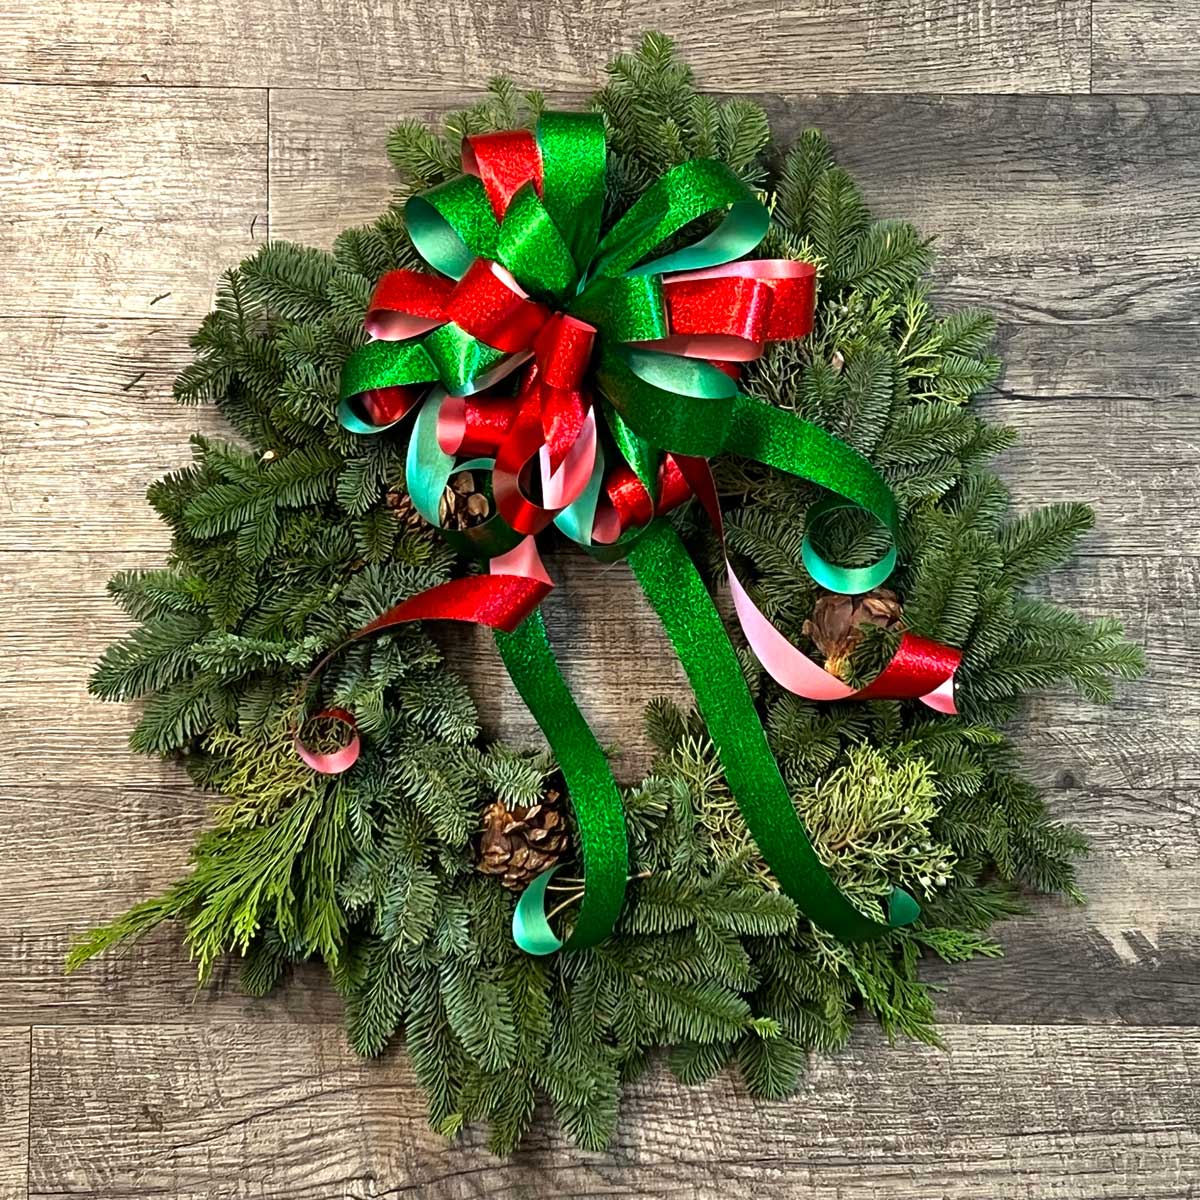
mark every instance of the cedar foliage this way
{"type": "Point", "coordinates": [283, 543]}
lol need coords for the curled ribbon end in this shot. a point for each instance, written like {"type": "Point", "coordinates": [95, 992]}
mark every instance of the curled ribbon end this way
{"type": "Point", "coordinates": [941, 699]}
{"type": "Point", "coordinates": [337, 761]}
{"type": "Point", "coordinates": [902, 909]}
{"type": "Point", "coordinates": [531, 930]}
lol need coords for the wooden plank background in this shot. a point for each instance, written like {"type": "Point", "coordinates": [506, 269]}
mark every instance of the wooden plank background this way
{"type": "Point", "coordinates": [1053, 145]}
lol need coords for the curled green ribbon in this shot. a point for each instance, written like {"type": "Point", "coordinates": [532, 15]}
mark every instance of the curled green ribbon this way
{"type": "Point", "coordinates": [669, 578]}
{"type": "Point", "coordinates": [599, 816]}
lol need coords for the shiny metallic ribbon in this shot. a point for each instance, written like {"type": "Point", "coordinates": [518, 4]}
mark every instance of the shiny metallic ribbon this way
{"type": "Point", "coordinates": [615, 339]}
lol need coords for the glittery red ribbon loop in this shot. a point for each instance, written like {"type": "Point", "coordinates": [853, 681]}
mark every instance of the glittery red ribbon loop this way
{"type": "Point", "coordinates": [407, 303]}
{"type": "Point", "coordinates": [917, 669]}
{"type": "Point", "coordinates": [517, 450]}
{"type": "Point", "coordinates": [490, 305]}
{"type": "Point", "coordinates": [731, 312]}
{"type": "Point", "coordinates": [563, 412]}
{"type": "Point", "coordinates": [631, 502]}
{"type": "Point", "coordinates": [563, 350]}
{"type": "Point", "coordinates": [474, 426]}
{"type": "Point", "coordinates": [336, 761]}
{"type": "Point", "coordinates": [504, 162]}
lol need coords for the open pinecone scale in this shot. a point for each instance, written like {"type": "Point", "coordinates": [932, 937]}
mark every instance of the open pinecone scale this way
{"type": "Point", "coordinates": [518, 844]}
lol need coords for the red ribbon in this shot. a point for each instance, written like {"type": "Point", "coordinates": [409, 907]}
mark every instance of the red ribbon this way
{"type": "Point", "coordinates": [516, 585]}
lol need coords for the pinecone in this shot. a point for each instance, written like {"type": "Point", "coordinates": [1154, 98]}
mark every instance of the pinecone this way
{"type": "Point", "coordinates": [835, 624]}
{"type": "Point", "coordinates": [463, 506]}
{"type": "Point", "coordinates": [405, 511]}
{"type": "Point", "coordinates": [520, 843]}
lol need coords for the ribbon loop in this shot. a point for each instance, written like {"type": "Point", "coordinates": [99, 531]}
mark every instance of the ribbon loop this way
{"type": "Point", "coordinates": [684, 194]}
{"type": "Point", "coordinates": [504, 162]}
{"type": "Point", "coordinates": [452, 224]}
{"type": "Point", "coordinates": [490, 305]}
{"type": "Point", "coordinates": [532, 248]}
{"type": "Point", "coordinates": [574, 155]}
{"type": "Point", "coordinates": [600, 328]}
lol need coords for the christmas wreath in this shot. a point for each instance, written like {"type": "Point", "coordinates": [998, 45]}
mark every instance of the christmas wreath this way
{"type": "Point", "coordinates": [645, 330]}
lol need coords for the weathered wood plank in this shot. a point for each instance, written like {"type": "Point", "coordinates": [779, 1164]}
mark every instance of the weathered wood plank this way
{"type": "Point", "coordinates": [1062, 209]}
{"type": "Point", "coordinates": [876, 45]}
{"type": "Point", "coordinates": [1145, 47]}
{"type": "Point", "coordinates": [14, 1114]}
{"type": "Point", "coordinates": [88, 423]}
{"type": "Point", "coordinates": [123, 202]}
{"type": "Point", "coordinates": [1059, 209]}
{"type": "Point", "coordinates": [1130, 956]}
{"type": "Point", "coordinates": [1011, 1112]}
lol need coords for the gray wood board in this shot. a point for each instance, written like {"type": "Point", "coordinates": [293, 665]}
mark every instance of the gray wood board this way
{"type": "Point", "coordinates": [289, 1114]}
{"type": "Point", "coordinates": [875, 45]}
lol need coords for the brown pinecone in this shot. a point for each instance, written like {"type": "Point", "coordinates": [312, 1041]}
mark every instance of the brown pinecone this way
{"type": "Point", "coordinates": [464, 505]}
{"type": "Point", "coordinates": [835, 624]}
{"type": "Point", "coordinates": [405, 511]}
{"type": "Point", "coordinates": [520, 843]}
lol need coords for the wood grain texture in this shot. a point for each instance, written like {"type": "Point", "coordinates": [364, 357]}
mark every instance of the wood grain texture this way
{"type": "Point", "coordinates": [878, 45]}
{"type": "Point", "coordinates": [89, 423]}
{"type": "Point", "coordinates": [1010, 1112]}
{"type": "Point", "coordinates": [1050, 209]}
{"type": "Point", "coordinates": [1145, 47]}
{"type": "Point", "coordinates": [1045, 208]}
{"type": "Point", "coordinates": [14, 1113]}
{"type": "Point", "coordinates": [127, 203]}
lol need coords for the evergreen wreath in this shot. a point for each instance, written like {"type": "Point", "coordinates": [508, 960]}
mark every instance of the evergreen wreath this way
{"type": "Point", "coordinates": [400, 874]}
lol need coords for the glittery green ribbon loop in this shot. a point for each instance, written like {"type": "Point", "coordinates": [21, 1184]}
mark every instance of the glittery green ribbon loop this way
{"type": "Point", "coordinates": [684, 194]}
{"type": "Point", "coordinates": [599, 814]}
{"type": "Point", "coordinates": [674, 588]}
{"type": "Point", "coordinates": [574, 156]}
{"type": "Point", "coordinates": [381, 365]}
{"type": "Point", "coordinates": [532, 248]}
{"type": "Point", "coordinates": [630, 308]}
{"type": "Point", "coordinates": [683, 405]}
{"type": "Point", "coordinates": [452, 224]}
{"type": "Point", "coordinates": [464, 364]}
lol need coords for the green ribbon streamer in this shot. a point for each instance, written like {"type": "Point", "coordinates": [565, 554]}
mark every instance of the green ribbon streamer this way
{"type": "Point", "coordinates": [782, 440]}
{"type": "Point", "coordinates": [599, 814]}
{"type": "Point", "coordinates": [674, 588]}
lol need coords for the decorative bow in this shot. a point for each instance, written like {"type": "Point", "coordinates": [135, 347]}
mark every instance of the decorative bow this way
{"type": "Point", "coordinates": [626, 369]}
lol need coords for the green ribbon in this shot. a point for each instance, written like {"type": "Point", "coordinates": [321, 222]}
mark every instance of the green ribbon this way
{"type": "Point", "coordinates": [652, 402]}
{"type": "Point", "coordinates": [669, 578]}
{"type": "Point", "coordinates": [599, 815]}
